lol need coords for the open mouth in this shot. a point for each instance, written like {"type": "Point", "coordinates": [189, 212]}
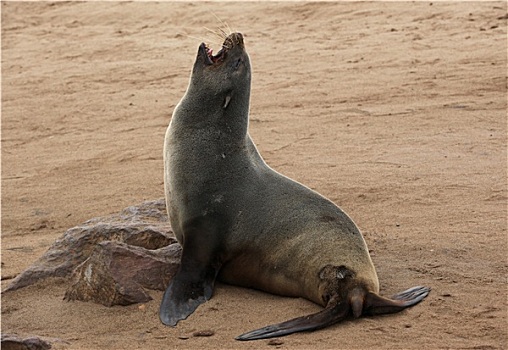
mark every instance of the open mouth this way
{"type": "Point", "coordinates": [210, 58]}
{"type": "Point", "coordinates": [234, 39]}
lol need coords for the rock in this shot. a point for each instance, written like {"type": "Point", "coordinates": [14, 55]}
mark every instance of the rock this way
{"type": "Point", "coordinates": [116, 273]}
{"type": "Point", "coordinates": [113, 257]}
{"type": "Point", "coordinates": [14, 342]}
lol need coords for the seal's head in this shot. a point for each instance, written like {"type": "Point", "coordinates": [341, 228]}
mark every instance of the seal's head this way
{"type": "Point", "coordinates": [224, 77]}
{"type": "Point", "coordinates": [233, 46]}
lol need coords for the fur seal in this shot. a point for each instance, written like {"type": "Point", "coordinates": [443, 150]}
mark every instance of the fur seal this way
{"type": "Point", "coordinates": [244, 223]}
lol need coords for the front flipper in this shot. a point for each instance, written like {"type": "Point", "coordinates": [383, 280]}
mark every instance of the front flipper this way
{"type": "Point", "coordinates": [194, 281]}
{"type": "Point", "coordinates": [182, 297]}
{"type": "Point", "coordinates": [324, 318]}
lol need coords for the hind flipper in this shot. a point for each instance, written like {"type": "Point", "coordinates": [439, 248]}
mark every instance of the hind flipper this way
{"type": "Point", "coordinates": [375, 304]}
{"type": "Point", "coordinates": [359, 302]}
{"type": "Point", "coordinates": [324, 318]}
{"type": "Point", "coordinates": [414, 295]}
{"type": "Point", "coordinates": [193, 283]}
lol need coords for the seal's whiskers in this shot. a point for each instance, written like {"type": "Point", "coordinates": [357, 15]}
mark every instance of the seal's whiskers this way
{"type": "Point", "coordinates": [217, 34]}
{"type": "Point", "coordinates": [226, 30]}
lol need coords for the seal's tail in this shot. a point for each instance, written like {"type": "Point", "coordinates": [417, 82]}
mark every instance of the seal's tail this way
{"type": "Point", "coordinates": [359, 302]}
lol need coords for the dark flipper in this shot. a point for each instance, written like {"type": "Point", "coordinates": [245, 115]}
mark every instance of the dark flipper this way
{"type": "Point", "coordinates": [183, 296]}
{"type": "Point", "coordinates": [194, 281]}
{"type": "Point", "coordinates": [324, 318]}
{"type": "Point", "coordinates": [375, 304]}
{"type": "Point", "coordinates": [358, 301]}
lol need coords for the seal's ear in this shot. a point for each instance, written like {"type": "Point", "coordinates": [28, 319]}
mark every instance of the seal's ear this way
{"type": "Point", "coordinates": [226, 101]}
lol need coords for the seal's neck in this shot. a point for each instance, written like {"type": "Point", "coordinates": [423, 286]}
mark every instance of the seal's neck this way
{"type": "Point", "coordinates": [225, 113]}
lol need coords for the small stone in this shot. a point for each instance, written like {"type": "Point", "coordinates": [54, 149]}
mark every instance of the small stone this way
{"type": "Point", "coordinates": [205, 333]}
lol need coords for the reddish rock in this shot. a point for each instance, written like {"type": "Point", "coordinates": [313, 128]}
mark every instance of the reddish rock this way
{"type": "Point", "coordinates": [113, 258]}
{"type": "Point", "coordinates": [117, 273]}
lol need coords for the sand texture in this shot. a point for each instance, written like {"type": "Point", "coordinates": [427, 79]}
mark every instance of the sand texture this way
{"type": "Point", "coordinates": [396, 111]}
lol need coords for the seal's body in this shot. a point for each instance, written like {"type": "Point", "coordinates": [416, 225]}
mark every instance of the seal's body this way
{"type": "Point", "coordinates": [239, 220]}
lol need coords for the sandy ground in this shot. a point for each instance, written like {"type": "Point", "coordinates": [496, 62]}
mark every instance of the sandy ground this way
{"type": "Point", "coordinates": [395, 111]}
